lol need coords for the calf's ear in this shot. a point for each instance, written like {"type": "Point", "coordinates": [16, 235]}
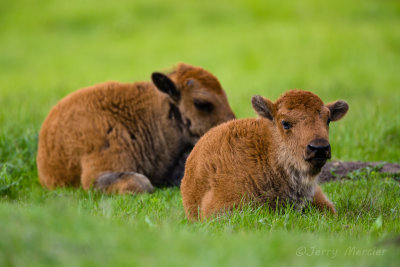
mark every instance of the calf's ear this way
{"type": "Point", "coordinates": [166, 85]}
{"type": "Point", "coordinates": [338, 109]}
{"type": "Point", "coordinates": [263, 107]}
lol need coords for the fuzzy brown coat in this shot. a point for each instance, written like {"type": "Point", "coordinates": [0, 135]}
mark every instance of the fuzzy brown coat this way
{"type": "Point", "coordinates": [129, 137]}
{"type": "Point", "coordinates": [271, 159]}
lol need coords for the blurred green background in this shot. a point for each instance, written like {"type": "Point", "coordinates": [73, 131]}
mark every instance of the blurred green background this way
{"type": "Point", "coordinates": [337, 49]}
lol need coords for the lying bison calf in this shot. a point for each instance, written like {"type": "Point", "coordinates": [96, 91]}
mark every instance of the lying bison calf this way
{"type": "Point", "coordinates": [127, 138]}
{"type": "Point", "coordinates": [276, 157]}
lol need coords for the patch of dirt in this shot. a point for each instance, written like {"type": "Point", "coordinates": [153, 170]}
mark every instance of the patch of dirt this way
{"type": "Point", "coordinates": [342, 168]}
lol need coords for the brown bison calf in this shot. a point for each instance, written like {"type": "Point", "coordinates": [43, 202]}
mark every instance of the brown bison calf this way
{"type": "Point", "coordinates": [127, 138]}
{"type": "Point", "coordinates": [275, 157]}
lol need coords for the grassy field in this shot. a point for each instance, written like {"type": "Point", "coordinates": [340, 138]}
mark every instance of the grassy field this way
{"type": "Point", "coordinates": [338, 49]}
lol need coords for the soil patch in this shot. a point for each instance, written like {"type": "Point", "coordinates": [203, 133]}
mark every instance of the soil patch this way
{"type": "Point", "coordinates": [339, 169]}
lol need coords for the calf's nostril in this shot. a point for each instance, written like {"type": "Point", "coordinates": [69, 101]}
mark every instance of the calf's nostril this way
{"type": "Point", "coordinates": [326, 148]}
{"type": "Point", "coordinates": [312, 148]}
{"type": "Point", "coordinates": [319, 151]}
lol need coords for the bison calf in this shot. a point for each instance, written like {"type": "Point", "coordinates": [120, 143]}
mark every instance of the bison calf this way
{"type": "Point", "coordinates": [275, 158]}
{"type": "Point", "coordinates": [127, 138]}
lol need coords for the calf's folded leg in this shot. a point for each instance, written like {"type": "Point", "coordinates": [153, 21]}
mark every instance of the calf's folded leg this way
{"type": "Point", "coordinates": [123, 183]}
{"type": "Point", "coordinates": [113, 176]}
{"type": "Point", "coordinates": [321, 201]}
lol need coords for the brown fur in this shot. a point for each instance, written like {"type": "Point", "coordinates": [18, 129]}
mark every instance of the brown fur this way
{"type": "Point", "coordinates": [258, 161]}
{"type": "Point", "coordinates": [129, 137]}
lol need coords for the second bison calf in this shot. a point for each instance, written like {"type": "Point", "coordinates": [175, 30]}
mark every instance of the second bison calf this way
{"type": "Point", "coordinates": [276, 157]}
{"type": "Point", "coordinates": [129, 137]}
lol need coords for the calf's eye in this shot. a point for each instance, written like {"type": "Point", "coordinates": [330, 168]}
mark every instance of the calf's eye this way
{"type": "Point", "coordinates": [203, 105]}
{"type": "Point", "coordinates": [329, 121]}
{"type": "Point", "coordinates": [286, 125]}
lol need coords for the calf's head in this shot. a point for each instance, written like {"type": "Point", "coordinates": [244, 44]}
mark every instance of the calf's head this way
{"type": "Point", "coordinates": [197, 100]}
{"type": "Point", "coordinates": [301, 125]}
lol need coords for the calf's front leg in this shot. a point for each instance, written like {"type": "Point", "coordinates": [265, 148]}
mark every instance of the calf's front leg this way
{"type": "Point", "coordinates": [321, 201]}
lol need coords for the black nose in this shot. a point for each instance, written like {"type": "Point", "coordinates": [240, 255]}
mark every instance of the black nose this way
{"type": "Point", "coordinates": [319, 148]}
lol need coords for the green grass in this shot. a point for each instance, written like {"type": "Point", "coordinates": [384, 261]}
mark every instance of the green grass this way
{"type": "Point", "coordinates": [338, 49]}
